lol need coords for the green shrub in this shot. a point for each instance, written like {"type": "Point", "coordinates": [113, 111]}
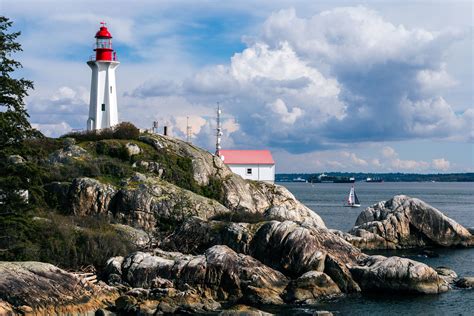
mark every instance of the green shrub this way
{"type": "Point", "coordinates": [214, 190]}
{"type": "Point", "coordinates": [66, 241]}
{"type": "Point", "coordinates": [124, 130]}
{"type": "Point", "coordinates": [102, 166]}
{"type": "Point", "coordinates": [113, 149]}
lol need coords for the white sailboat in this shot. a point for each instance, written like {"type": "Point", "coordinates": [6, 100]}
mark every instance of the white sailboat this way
{"type": "Point", "coordinates": [352, 200]}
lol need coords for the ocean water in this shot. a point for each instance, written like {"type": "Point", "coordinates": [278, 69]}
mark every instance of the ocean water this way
{"type": "Point", "coordinates": [456, 200]}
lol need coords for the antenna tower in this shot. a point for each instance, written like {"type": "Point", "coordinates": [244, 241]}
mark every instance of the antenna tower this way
{"type": "Point", "coordinates": [188, 130]}
{"type": "Point", "coordinates": [218, 130]}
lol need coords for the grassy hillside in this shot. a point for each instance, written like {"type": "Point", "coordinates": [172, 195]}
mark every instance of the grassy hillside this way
{"type": "Point", "coordinates": [45, 232]}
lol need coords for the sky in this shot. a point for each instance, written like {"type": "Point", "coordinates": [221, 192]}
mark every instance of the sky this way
{"type": "Point", "coordinates": [369, 86]}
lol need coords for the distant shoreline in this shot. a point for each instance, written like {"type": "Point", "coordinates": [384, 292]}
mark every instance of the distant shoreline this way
{"type": "Point", "coordinates": [385, 177]}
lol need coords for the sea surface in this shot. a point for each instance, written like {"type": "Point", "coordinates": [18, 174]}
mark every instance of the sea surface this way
{"type": "Point", "coordinates": [456, 200]}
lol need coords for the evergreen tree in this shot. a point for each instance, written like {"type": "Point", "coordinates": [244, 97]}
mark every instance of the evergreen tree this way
{"type": "Point", "coordinates": [18, 176]}
{"type": "Point", "coordinates": [13, 116]}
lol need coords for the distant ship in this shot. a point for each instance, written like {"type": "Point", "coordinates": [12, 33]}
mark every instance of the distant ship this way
{"type": "Point", "coordinates": [299, 179]}
{"type": "Point", "coordinates": [323, 178]}
{"type": "Point", "coordinates": [352, 199]}
{"type": "Point", "coordinates": [374, 180]}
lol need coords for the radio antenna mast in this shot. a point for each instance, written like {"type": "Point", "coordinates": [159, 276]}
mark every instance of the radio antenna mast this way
{"type": "Point", "coordinates": [218, 131]}
{"type": "Point", "coordinates": [188, 130]}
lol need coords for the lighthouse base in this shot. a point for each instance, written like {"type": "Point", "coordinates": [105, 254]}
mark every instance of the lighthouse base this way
{"type": "Point", "coordinates": [103, 112]}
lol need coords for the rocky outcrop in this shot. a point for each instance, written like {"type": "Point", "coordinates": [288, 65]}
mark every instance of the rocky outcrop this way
{"type": "Point", "coordinates": [296, 249]}
{"type": "Point", "coordinates": [310, 287]}
{"type": "Point", "coordinates": [196, 235]}
{"type": "Point", "coordinates": [142, 202]}
{"type": "Point", "coordinates": [220, 274]}
{"type": "Point", "coordinates": [88, 196]}
{"type": "Point", "coordinates": [138, 237]}
{"type": "Point", "coordinates": [42, 288]}
{"type": "Point", "coordinates": [243, 310]}
{"type": "Point", "coordinates": [132, 149]}
{"type": "Point", "coordinates": [465, 282]}
{"type": "Point", "coordinates": [446, 274]}
{"type": "Point", "coordinates": [205, 165]}
{"type": "Point", "coordinates": [405, 222]}
{"type": "Point", "coordinates": [273, 201]}
{"type": "Point", "coordinates": [69, 153]}
{"type": "Point", "coordinates": [150, 203]}
{"type": "Point", "coordinates": [289, 247]}
{"type": "Point", "coordinates": [16, 160]}
{"type": "Point", "coordinates": [395, 274]}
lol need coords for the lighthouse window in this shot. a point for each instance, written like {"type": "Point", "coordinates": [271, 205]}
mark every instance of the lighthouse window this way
{"type": "Point", "coordinates": [110, 89]}
{"type": "Point", "coordinates": [104, 43]}
{"type": "Point", "coordinates": [103, 106]}
{"type": "Point", "coordinates": [249, 170]}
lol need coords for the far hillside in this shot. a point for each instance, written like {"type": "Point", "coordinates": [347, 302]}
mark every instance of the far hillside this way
{"type": "Point", "coordinates": [386, 177]}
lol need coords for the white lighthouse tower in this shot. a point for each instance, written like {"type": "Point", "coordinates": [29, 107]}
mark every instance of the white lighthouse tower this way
{"type": "Point", "coordinates": [103, 111]}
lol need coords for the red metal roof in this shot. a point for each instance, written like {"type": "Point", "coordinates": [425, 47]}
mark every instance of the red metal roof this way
{"type": "Point", "coordinates": [244, 157]}
{"type": "Point", "coordinates": [103, 33]}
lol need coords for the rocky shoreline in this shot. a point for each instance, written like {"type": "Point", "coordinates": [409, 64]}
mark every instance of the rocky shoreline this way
{"type": "Point", "coordinates": [254, 244]}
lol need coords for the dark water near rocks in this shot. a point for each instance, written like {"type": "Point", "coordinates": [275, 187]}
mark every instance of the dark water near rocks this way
{"type": "Point", "coordinates": [456, 200]}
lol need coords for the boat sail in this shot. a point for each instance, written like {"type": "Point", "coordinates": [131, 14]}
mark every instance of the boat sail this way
{"type": "Point", "coordinates": [352, 200]}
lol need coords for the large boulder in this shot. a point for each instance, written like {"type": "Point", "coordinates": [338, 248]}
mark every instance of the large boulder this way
{"type": "Point", "coordinates": [69, 153]}
{"type": "Point", "coordinates": [220, 273]}
{"type": "Point", "coordinates": [42, 288]}
{"type": "Point", "coordinates": [152, 202]}
{"type": "Point", "coordinates": [296, 249]}
{"type": "Point", "coordinates": [395, 274]}
{"type": "Point", "coordinates": [87, 196]}
{"type": "Point", "coordinates": [465, 282]}
{"type": "Point", "coordinates": [405, 222]}
{"type": "Point", "coordinates": [310, 287]}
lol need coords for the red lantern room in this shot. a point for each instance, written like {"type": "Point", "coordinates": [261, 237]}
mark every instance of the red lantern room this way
{"type": "Point", "coordinates": [103, 47]}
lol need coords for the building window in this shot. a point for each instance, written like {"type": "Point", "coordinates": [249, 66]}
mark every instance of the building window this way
{"type": "Point", "coordinates": [110, 89]}
{"type": "Point", "coordinates": [103, 106]}
{"type": "Point", "coordinates": [249, 170]}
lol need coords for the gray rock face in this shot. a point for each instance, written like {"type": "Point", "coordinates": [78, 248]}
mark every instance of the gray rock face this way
{"type": "Point", "coordinates": [243, 310]}
{"type": "Point", "coordinates": [69, 153]}
{"type": "Point", "coordinates": [16, 159]}
{"type": "Point", "coordinates": [42, 288]}
{"type": "Point", "coordinates": [296, 249]}
{"type": "Point", "coordinates": [137, 204]}
{"type": "Point", "coordinates": [465, 282]}
{"type": "Point", "coordinates": [220, 274]}
{"type": "Point", "coordinates": [273, 201]}
{"type": "Point", "coordinates": [310, 287]}
{"type": "Point", "coordinates": [378, 273]}
{"type": "Point", "coordinates": [205, 165]}
{"type": "Point", "coordinates": [196, 235]}
{"type": "Point", "coordinates": [138, 237]}
{"type": "Point", "coordinates": [150, 166]}
{"type": "Point", "coordinates": [141, 203]}
{"type": "Point", "coordinates": [132, 149]}
{"type": "Point", "coordinates": [288, 247]}
{"type": "Point", "coordinates": [446, 274]}
{"type": "Point", "coordinates": [145, 204]}
{"type": "Point", "coordinates": [405, 222]}
{"type": "Point", "coordinates": [88, 196]}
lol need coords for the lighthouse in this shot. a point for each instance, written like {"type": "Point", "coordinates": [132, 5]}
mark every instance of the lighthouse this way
{"type": "Point", "coordinates": [103, 111]}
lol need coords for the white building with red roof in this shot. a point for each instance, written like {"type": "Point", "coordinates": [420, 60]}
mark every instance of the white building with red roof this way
{"type": "Point", "coordinates": [250, 164]}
